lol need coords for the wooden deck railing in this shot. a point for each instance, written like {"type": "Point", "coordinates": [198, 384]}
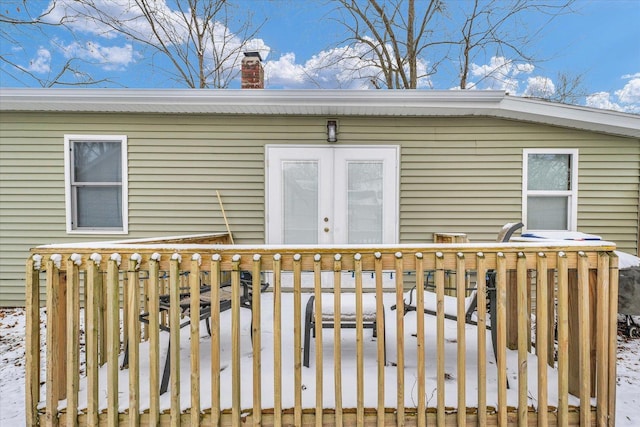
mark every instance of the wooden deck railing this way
{"type": "Point", "coordinates": [574, 336]}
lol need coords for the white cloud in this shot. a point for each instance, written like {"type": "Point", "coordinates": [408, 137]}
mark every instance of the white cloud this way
{"type": "Point", "coordinates": [602, 100]}
{"type": "Point", "coordinates": [539, 87]}
{"type": "Point", "coordinates": [41, 63]}
{"type": "Point", "coordinates": [346, 67]}
{"type": "Point", "coordinates": [626, 99]}
{"type": "Point", "coordinates": [630, 93]}
{"type": "Point", "coordinates": [499, 74]}
{"type": "Point", "coordinates": [107, 57]}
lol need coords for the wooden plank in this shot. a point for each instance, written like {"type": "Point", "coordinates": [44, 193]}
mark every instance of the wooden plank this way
{"type": "Point", "coordinates": [194, 328]}
{"type": "Point", "coordinates": [613, 336]}
{"type": "Point", "coordinates": [602, 340]}
{"type": "Point", "coordinates": [317, 280]}
{"type": "Point", "coordinates": [53, 363]}
{"type": "Point", "coordinates": [215, 340]}
{"type": "Point", "coordinates": [235, 341]}
{"type": "Point", "coordinates": [337, 336]}
{"type": "Point", "coordinates": [500, 325]}
{"type": "Point", "coordinates": [297, 338]}
{"type": "Point", "coordinates": [563, 339]}
{"type": "Point", "coordinates": [511, 306]}
{"type": "Point", "coordinates": [440, 377]}
{"type": "Point", "coordinates": [102, 319]}
{"type": "Point", "coordinates": [32, 340]}
{"type": "Point", "coordinates": [399, 340]}
{"type": "Point", "coordinates": [132, 307]}
{"type": "Point", "coordinates": [154, 342]}
{"type": "Point", "coordinates": [481, 277]}
{"type": "Point", "coordinates": [542, 337]}
{"type": "Point", "coordinates": [359, 342]}
{"type": "Point", "coordinates": [584, 333]}
{"type": "Point", "coordinates": [174, 338]}
{"type": "Point", "coordinates": [523, 339]}
{"type": "Point", "coordinates": [461, 345]}
{"type": "Point", "coordinates": [420, 339]}
{"type": "Point", "coordinates": [256, 309]}
{"type": "Point", "coordinates": [551, 319]}
{"type": "Point", "coordinates": [73, 338]}
{"type": "Point", "coordinates": [92, 312]}
{"type": "Point", "coordinates": [113, 340]}
{"type": "Point", "coordinates": [380, 325]}
{"type": "Point", "coordinates": [277, 340]}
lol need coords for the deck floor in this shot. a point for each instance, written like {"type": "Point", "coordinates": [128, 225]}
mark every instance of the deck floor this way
{"type": "Point", "coordinates": [348, 361]}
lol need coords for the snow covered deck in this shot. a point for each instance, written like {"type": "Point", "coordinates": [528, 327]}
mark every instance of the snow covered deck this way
{"type": "Point", "coordinates": [250, 368]}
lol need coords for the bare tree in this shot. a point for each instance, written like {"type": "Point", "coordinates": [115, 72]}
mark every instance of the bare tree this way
{"type": "Point", "coordinates": [195, 38]}
{"type": "Point", "coordinates": [17, 18]}
{"type": "Point", "coordinates": [410, 39]}
{"type": "Point", "coordinates": [500, 27]}
{"type": "Point", "coordinates": [396, 34]}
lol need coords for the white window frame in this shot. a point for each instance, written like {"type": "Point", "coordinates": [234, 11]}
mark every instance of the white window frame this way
{"type": "Point", "coordinates": [572, 194]}
{"type": "Point", "coordinates": [68, 194]}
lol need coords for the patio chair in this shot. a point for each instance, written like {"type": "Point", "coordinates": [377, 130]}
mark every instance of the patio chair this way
{"type": "Point", "coordinates": [347, 318]}
{"type": "Point", "coordinates": [246, 283]}
{"type": "Point", "coordinates": [450, 302]}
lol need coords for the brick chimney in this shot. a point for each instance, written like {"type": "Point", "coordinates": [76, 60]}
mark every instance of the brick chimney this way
{"type": "Point", "coordinates": [252, 71]}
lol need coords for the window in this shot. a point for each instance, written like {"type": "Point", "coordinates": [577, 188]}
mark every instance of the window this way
{"type": "Point", "coordinates": [550, 189]}
{"type": "Point", "coordinates": [96, 183]}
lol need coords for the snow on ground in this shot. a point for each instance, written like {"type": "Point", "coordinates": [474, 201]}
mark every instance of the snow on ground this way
{"type": "Point", "coordinates": [12, 364]}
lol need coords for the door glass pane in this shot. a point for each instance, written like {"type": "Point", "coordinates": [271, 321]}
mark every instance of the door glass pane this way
{"type": "Point", "coordinates": [98, 161]}
{"type": "Point", "coordinates": [99, 207]}
{"type": "Point", "coordinates": [547, 213]}
{"type": "Point", "coordinates": [300, 202]}
{"type": "Point", "coordinates": [364, 202]}
{"type": "Point", "coordinates": [551, 172]}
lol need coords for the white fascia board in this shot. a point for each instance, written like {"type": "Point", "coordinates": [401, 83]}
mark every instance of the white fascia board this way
{"type": "Point", "coordinates": [406, 103]}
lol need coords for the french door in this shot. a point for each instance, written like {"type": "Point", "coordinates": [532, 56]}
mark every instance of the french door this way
{"type": "Point", "coordinates": [331, 195]}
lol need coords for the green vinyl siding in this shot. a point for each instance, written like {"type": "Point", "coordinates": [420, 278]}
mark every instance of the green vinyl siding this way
{"type": "Point", "coordinates": [456, 175]}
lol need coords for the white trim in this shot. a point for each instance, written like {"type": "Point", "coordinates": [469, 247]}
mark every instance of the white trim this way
{"type": "Point", "coordinates": [572, 220]}
{"type": "Point", "coordinates": [68, 139]}
{"type": "Point", "coordinates": [331, 103]}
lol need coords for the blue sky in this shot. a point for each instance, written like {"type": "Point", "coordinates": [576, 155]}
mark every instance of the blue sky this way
{"type": "Point", "coordinates": [600, 41]}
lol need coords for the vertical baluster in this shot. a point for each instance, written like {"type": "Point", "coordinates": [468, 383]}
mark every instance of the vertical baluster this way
{"type": "Point", "coordinates": [154, 339]}
{"type": "Point", "coordinates": [563, 339]}
{"type": "Point", "coordinates": [420, 338]}
{"type": "Point", "coordinates": [297, 338]}
{"type": "Point", "coordinates": [113, 338]}
{"type": "Point", "coordinates": [380, 332]}
{"type": "Point", "coordinates": [32, 339]}
{"type": "Point", "coordinates": [215, 340]}
{"type": "Point", "coordinates": [337, 335]}
{"type": "Point", "coordinates": [523, 338]}
{"type": "Point", "coordinates": [317, 290]}
{"type": "Point", "coordinates": [542, 337]}
{"type": "Point", "coordinates": [500, 325]}
{"type": "Point", "coordinates": [481, 285]}
{"type": "Point", "coordinates": [461, 339]}
{"type": "Point", "coordinates": [194, 327]}
{"type": "Point", "coordinates": [439, 279]}
{"type": "Point", "coordinates": [277, 340]}
{"type": "Point", "coordinates": [257, 341]}
{"type": "Point", "coordinates": [174, 337]}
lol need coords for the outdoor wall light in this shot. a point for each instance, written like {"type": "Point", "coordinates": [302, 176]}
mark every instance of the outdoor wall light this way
{"type": "Point", "coordinates": [332, 130]}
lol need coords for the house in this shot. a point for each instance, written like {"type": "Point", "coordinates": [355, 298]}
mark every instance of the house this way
{"type": "Point", "coordinates": [109, 164]}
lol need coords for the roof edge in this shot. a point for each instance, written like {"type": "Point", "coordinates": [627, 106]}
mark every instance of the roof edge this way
{"type": "Point", "coordinates": [324, 102]}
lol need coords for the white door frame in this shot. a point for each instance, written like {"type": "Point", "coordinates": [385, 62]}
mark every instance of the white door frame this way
{"type": "Point", "coordinates": [336, 213]}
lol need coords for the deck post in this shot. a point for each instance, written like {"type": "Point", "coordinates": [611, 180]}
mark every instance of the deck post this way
{"type": "Point", "coordinates": [32, 339]}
